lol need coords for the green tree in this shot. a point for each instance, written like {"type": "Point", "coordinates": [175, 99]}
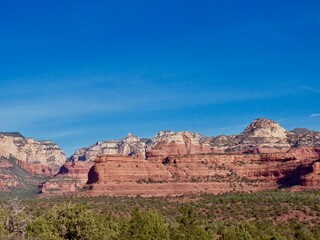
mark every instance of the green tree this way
{"type": "Point", "coordinates": [3, 230]}
{"type": "Point", "coordinates": [146, 225]}
{"type": "Point", "coordinates": [70, 222]}
{"type": "Point", "coordinates": [189, 226]}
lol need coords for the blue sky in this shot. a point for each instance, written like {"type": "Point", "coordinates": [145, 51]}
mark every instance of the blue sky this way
{"type": "Point", "coordinates": [79, 71]}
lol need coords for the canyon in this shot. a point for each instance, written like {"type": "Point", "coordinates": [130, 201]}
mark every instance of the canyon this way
{"type": "Point", "coordinates": [262, 157]}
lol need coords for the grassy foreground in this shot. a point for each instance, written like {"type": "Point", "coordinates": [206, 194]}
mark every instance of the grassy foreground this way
{"type": "Point", "coordinates": [265, 215]}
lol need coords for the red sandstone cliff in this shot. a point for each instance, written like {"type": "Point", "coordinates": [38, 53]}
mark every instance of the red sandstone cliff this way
{"type": "Point", "coordinates": [264, 156]}
{"type": "Point", "coordinates": [197, 173]}
{"type": "Point", "coordinates": [71, 178]}
{"type": "Point", "coordinates": [184, 174]}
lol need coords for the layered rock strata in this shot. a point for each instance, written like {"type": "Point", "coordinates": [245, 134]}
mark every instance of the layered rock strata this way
{"type": "Point", "coordinates": [29, 151]}
{"type": "Point", "coordinates": [24, 161]}
{"type": "Point", "coordinates": [264, 156]}
{"type": "Point", "coordinates": [71, 178]}
{"type": "Point", "coordinates": [128, 146]}
{"type": "Point", "coordinates": [178, 143]}
{"type": "Point", "coordinates": [196, 173]}
{"type": "Point", "coordinates": [261, 136]}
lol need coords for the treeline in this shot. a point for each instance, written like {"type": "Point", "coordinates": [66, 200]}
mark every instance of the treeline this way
{"type": "Point", "coordinates": [77, 221]}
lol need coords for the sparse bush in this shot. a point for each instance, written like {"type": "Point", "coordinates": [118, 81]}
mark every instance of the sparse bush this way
{"type": "Point", "coordinates": [14, 219]}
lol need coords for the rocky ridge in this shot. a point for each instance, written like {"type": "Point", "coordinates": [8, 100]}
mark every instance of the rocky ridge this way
{"type": "Point", "coordinates": [264, 156]}
{"type": "Point", "coordinates": [262, 135]}
{"type": "Point", "coordinates": [127, 146]}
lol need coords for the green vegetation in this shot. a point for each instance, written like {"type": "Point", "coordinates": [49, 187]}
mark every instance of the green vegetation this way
{"type": "Point", "coordinates": [267, 215]}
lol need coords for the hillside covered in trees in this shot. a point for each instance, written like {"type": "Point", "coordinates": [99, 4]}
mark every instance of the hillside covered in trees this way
{"type": "Point", "coordinates": [266, 215]}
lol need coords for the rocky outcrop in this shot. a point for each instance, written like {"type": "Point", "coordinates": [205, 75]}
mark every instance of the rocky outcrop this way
{"type": "Point", "coordinates": [312, 179]}
{"type": "Point", "coordinates": [71, 178]}
{"type": "Point", "coordinates": [24, 161]}
{"type": "Point", "coordinates": [178, 143]}
{"type": "Point", "coordinates": [20, 177]}
{"type": "Point", "coordinates": [262, 134]}
{"type": "Point", "coordinates": [303, 138]}
{"type": "Point", "coordinates": [128, 146]}
{"type": "Point", "coordinates": [7, 179]}
{"type": "Point", "coordinates": [29, 151]}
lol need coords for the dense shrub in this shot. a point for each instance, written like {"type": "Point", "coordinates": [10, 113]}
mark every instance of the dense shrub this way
{"type": "Point", "coordinates": [3, 230]}
{"type": "Point", "coordinates": [146, 225]}
{"type": "Point", "coordinates": [189, 226]}
{"type": "Point", "coordinates": [13, 220]}
{"type": "Point", "coordinates": [70, 222]}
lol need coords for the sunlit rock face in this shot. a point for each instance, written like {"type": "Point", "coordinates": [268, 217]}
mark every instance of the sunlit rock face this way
{"type": "Point", "coordinates": [28, 150]}
{"type": "Point", "coordinates": [25, 161]}
{"type": "Point", "coordinates": [178, 143]}
{"type": "Point", "coordinates": [263, 135]}
{"type": "Point", "coordinates": [128, 146]}
{"type": "Point", "coordinates": [260, 136]}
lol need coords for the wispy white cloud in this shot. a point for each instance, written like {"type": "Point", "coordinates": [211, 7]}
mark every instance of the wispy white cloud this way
{"type": "Point", "coordinates": [312, 89]}
{"type": "Point", "coordinates": [63, 134]}
{"type": "Point", "coordinates": [222, 130]}
{"type": "Point", "coordinates": [314, 115]}
{"type": "Point", "coordinates": [281, 120]}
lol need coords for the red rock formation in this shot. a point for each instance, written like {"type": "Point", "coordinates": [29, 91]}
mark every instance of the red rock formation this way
{"type": "Point", "coordinates": [197, 173]}
{"type": "Point", "coordinates": [264, 156]}
{"type": "Point", "coordinates": [312, 179]}
{"type": "Point", "coordinates": [7, 179]}
{"type": "Point", "coordinates": [180, 143]}
{"type": "Point", "coordinates": [36, 169]}
{"type": "Point", "coordinates": [70, 179]}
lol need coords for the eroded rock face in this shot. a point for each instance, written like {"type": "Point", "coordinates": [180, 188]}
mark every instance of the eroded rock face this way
{"type": "Point", "coordinates": [264, 156]}
{"type": "Point", "coordinates": [30, 151]}
{"type": "Point", "coordinates": [304, 138]}
{"type": "Point", "coordinates": [7, 179]}
{"type": "Point", "coordinates": [261, 134]}
{"type": "Point", "coordinates": [71, 178]}
{"type": "Point", "coordinates": [128, 146]}
{"type": "Point", "coordinates": [178, 143]}
{"type": "Point", "coordinates": [24, 161]}
{"type": "Point", "coordinates": [197, 173]}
